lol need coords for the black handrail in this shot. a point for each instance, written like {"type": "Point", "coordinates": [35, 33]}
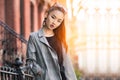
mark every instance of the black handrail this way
{"type": "Point", "coordinates": [11, 44]}
{"type": "Point", "coordinates": [6, 27]}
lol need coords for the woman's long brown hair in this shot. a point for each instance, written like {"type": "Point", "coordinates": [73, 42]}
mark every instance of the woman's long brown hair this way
{"type": "Point", "coordinates": [60, 32]}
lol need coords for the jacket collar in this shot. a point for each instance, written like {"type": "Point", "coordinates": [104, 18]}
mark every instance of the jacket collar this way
{"type": "Point", "coordinates": [42, 37]}
{"type": "Point", "coordinates": [40, 33]}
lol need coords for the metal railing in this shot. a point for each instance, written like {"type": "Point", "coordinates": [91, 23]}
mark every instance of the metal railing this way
{"type": "Point", "coordinates": [12, 50]}
{"type": "Point", "coordinates": [8, 73]}
{"type": "Point", "coordinates": [12, 45]}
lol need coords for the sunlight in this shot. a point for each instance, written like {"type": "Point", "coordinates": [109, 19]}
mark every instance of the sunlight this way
{"type": "Point", "coordinates": [97, 30]}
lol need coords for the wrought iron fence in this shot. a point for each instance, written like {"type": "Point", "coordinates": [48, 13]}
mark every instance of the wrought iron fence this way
{"type": "Point", "coordinates": [8, 73]}
{"type": "Point", "coordinates": [12, 45]}
{"type": "Point", "coordinates": [12, 51]}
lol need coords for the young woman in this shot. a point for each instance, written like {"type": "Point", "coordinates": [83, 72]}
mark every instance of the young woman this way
{"type": "Point", "coordinates": [47, 48]}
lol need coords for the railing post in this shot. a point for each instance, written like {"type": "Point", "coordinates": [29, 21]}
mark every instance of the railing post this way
{"type": "Point", "coordinates": [18, 64]}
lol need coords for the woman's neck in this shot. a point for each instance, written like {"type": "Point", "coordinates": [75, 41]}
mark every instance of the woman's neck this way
{"type": "Point", "coordinates": [48, 32]}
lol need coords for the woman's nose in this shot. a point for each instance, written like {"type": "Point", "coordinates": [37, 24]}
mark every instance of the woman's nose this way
{"type": "Point", "coordinates": [54, 22]}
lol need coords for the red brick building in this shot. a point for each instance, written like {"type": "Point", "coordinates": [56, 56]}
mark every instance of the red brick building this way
{"type": "Point", "coordinates": [24, 16]}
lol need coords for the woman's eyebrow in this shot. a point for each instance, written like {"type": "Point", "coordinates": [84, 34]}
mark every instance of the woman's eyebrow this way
{"type": "Point", "coordinates": [53, 15]}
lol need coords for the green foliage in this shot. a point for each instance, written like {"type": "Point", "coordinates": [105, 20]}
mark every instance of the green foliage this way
{"type": "Point", "coordinates": [78, 73]}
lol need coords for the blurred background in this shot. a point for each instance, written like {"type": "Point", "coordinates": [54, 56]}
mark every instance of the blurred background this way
{"type": "Point", "coordinates": [93, 33]}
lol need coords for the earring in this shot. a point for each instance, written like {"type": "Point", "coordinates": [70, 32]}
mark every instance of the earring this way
{"type": "Point", "coordinates": [44, 22]}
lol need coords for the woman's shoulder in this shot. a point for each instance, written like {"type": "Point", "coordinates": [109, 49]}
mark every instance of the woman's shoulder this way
{"type": "Point", "coordinates": [32, 34]}
{"type": "Point", "coordinates": [35, 33]}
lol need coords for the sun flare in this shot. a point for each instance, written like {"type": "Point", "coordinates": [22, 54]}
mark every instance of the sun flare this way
{"type": "Point", "coordinates": [94, 26]}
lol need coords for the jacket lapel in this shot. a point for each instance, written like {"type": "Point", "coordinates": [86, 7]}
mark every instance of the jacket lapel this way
{"type": "Point", "coordinates": [42, 37]}
{"type": "Point", "coordinates": [44, 40]}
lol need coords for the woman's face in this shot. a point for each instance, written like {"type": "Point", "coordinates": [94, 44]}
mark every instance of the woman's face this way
{"type": "Point", "coordinates": [54, 19]}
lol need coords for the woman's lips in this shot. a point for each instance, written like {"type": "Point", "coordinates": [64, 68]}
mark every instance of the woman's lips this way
{"type": "Point", "coordinates": [52, 26]}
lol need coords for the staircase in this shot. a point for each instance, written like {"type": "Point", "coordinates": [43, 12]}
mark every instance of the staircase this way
{"type": "Point", "coordinates": [12, 45]}
{"type": "Point", "coordinates": [12, 55]}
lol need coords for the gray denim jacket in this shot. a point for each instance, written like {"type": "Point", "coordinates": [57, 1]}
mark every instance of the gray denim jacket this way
{"type": "Point", "coordinates": [45, 60]}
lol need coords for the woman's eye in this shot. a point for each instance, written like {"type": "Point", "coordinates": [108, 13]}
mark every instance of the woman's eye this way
{"type": "Point", "coordinates": [53, 17]}
{"type": "Point", "coordinates": [59, 21]}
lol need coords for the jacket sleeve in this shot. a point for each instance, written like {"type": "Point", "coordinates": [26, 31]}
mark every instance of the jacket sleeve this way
{"type": "Point", "coordinates": [31, 56]}
{"type": "Point", "coordinates": [69, 70]}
